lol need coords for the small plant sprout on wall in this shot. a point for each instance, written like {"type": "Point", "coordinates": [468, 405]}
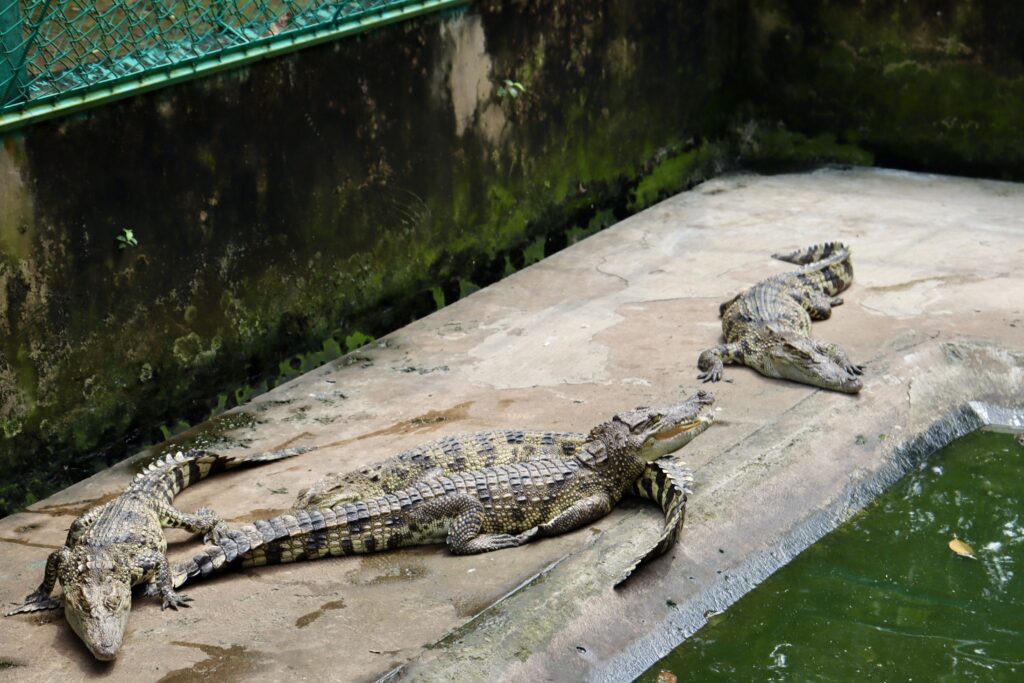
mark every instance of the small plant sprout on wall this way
{"type": "Point", "coordinates": [510, 88]}
{"type": "Point", "coordinates": [127, 239]}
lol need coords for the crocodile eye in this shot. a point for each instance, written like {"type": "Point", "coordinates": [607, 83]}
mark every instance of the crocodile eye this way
{"type": "Point", "coordinates": [113, 602]}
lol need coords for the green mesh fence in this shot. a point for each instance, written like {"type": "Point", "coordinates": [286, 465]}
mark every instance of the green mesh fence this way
{"type": "Point", "coordinates": [63, 54]}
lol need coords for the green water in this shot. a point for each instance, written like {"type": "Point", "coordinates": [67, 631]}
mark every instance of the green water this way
{"type": "Point", "coordinates": [883, 598]}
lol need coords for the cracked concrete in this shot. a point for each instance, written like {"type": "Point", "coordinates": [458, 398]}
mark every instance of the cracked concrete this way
{"type": "Point", "coordinates": [936, 311]}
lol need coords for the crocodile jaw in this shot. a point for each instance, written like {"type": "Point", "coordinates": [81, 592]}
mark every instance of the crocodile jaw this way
{"type": "Point", "coordinates": [823, 374]}
{"type": "Point", "coordinates": [678, 426]}
{"type": "Point", "coordinates": [803, 360]}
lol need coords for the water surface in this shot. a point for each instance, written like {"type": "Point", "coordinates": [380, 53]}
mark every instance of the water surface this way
{"type": "Point", "coordinates": [883, 598]}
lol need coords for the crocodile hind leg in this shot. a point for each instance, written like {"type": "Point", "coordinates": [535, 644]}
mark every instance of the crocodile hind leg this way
{"type": "Point", "coordinates": [712, 361]}
{"type": "Point", "coordinates": [578, 514]}
{"type": "Point", "coordinates": [840, 357]}
{"type": "Point", "coordinates": [467, 518]}
{"type": "Point", "coordinates": [819, 305]}
{"type": "Point", "coordinates": [203, 521]}
{"type": "Point", "coordinates": [339, 488]}
{"type": "Point", "coordinates": [40, 598]}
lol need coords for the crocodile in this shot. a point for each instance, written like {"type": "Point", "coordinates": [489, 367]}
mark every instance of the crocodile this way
{"type": "Point", "coordinates": [479, 510]}
{"type": "Point", "coordinates": [663, 481]}
{"type": "Point", "coordinates": [119, 544]}
{"type": "Point", "coordinates": [767, 327]}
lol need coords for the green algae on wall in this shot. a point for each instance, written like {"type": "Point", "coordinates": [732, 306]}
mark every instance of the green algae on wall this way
{"type": "Point", "coordinates": [289, 212]}
{"type": "Point", "coordinates": [934, 85]}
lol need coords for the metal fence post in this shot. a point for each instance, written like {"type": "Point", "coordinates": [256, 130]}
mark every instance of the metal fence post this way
{"type": "Point", "coordinates": [12, 65]}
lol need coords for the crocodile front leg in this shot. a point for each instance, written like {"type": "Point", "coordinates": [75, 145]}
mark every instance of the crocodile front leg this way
{"type": "Point", "coordinates": [712, 361]}
{"type": "Point", "coordinates": [162, 583]}
{"type": "Point", "coordinates": [840, 357]}
{"type": "Point", "coordinates": [40, 599]}
{"type": "Point", "coordinates": [580, 513]}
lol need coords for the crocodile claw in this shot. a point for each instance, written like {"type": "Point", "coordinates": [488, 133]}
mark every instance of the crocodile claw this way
{"type": "Point", "coordinates": [175, 600]}
{"type": "Point", "coordinates": [218, 533]}
{"type": "Point", "coordinates": [712, 375]}
{"type": "Point", "coordinates": [36, 602]}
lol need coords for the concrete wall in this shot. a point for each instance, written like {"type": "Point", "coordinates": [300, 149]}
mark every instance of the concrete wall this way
{"type": "Point", "coordinates": [286, 212]}
{"type": "Point", "coordinates": [934, 85]}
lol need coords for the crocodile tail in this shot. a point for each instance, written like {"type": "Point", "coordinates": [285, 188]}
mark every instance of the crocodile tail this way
{"type": "Point", "coordinates": [227, 551]}
{"type": "Point", "coordinates": [168, 475]}
{"type": "Point", "coordinates": [831, 251]}
{"type": "Point", "coordinates": [667, 483]}
{"type": "Point", "coordinates": [297, 535]}
{"type": "Point", "coordinates": [825, 266]}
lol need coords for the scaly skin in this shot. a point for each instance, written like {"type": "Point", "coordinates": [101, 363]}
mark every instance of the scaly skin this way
{"type": "Point", "coordinates": [118, 545]}
{"type": "Point", "coordinates": [768, 326]}
{"type": "Point", "coordinates": [479, 510]}
{"type": "Point", "coordinates": [448, 455]}
{"type": "Point", "coordinates": [663, 481]}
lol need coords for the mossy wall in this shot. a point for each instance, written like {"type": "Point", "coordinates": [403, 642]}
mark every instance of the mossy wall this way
{"type": "Point", "coordinates": [287, 212]}
{"type": "Point", "coordinates": [934, 85]}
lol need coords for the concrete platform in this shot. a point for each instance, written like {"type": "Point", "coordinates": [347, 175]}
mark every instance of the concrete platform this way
{"type": "Point", "coordinates": [936, 312]}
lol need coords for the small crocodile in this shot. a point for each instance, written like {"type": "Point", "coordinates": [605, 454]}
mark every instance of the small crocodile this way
{"type": "Point", "coordinates": [120, 544]}
{"type": "Point", "coordinates": [663, 481]}
{"type": "Point", "coordinates": [767, 327]}
{"type": "Point", "coordinates": [477, 510]}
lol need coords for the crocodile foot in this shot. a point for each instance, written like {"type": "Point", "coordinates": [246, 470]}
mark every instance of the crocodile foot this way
{"type": "Point", "coordinates": [175, 600]}
{"type": "Point", "coordinates": [218, 533]}
{"type": "Point", "coordinates": [36, 602]}
{"type": "Point", "coordinates": [714, 374]}
{"type": "Point", "coordinates": [527, 535]}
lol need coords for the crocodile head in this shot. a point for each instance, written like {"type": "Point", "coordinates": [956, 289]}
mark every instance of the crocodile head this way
{"type": "Point", "coordinates": [97, 600]}
{"type": "Point", "coordinates": [646, 434]}
{"type": "Point", "coordinates": [803, 360]}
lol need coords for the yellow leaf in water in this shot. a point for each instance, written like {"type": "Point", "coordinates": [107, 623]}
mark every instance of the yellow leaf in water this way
{"type": "Point", "coordinates": [666, 677]}
{"type": "Point", "coordinates": [961, 548]}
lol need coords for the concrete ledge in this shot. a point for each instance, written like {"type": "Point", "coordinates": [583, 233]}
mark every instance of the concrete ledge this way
{"type": "Point", "coordinates": [937, 310]}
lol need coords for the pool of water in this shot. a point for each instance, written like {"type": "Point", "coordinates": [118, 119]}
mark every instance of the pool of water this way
{"type": "Point", "coordinates": [884, 597]}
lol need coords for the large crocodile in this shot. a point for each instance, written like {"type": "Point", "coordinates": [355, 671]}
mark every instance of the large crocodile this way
{"type": "Point", "coordinates": [663, 481]}
{"type": "Point", "coordinates": [478, 510]}
{"type": "Point", "coordinates": [120, 544]}
{"type": "Point", "coordinates": [768, 326]}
